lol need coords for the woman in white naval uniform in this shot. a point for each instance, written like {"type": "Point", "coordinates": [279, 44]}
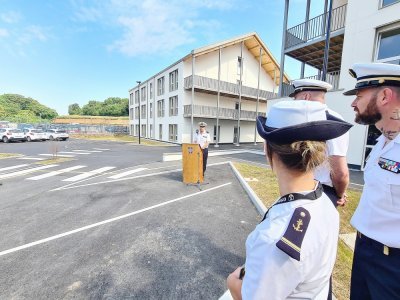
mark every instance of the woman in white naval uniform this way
{"type": "Point", "coordinates": [291, 253]}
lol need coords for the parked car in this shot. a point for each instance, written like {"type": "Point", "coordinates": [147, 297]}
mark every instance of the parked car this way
{"type": "Point", "coordinates": [32, 134]}
{"type": "Point", "coordinates": [56, 134]}
{"type": "Point", "coordinates": [11, 134]}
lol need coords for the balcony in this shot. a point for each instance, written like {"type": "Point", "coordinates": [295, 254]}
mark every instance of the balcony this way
{"type": "Point", "coordinates": [227, 89]}
{"type": "Point", "coordinates": [331, 77]}
{"type": "Point", "coordinates": [224, 113]}
{"type": "Point", "coordinates": [306, 41]}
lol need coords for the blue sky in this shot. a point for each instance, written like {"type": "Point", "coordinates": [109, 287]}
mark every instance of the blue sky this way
{"type": "Point", "coordinates": [61, 52]}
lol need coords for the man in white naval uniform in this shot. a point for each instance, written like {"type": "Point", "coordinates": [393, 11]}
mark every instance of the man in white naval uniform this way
{"type": "Point", "coordinates": [202, 137]}
{"type": "Point", "coordinates": [334, 173]}
{"type": "Point", "coordinates": [376, 263]}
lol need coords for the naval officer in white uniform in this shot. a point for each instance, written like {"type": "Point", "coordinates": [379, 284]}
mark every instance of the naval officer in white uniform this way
{"type": "Point", "coordinates": [202, 137]}
{"type": "Point", "coordinates": [376, 263]}
{"type": "Point", "coordinates": [291, 253]}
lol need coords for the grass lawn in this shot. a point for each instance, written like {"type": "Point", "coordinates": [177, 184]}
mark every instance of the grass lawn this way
{"type": "Point", "coordinates": [54, 160]}
{"type": "Point", "coordinates": [119, 138]}
{"type": "Point", "coordinates": [266, 188]}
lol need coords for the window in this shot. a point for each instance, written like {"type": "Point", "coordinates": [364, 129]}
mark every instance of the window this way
{"type": "Point", "coordinates": [151, 130]}
{"type": "Point", "coordinates": [160, 108]}
{"type": "Point", "coordinates": [160, 131]}
{"type": "Point", "coordinates": [173, 80]}
{"type": "Point", "coordinates": [388, 2]}
{"type": "Point", "coordinates": [131, 99]}
{"type": "Point", "coordinates": [215, 133]}
{"type": "Point", "coordinates": [137, 130]}
{"type": "Point", "coordinates": [160, 86]}
{"type": "Point", "coordinates": [173, 133]}
{"type": "Point", "coordinates": [173, 106]}
{"type": "Point", "coordinates": [143, 93]}
{"type": "Point", "coordinates": [137, 112]}
{"type": "Point", "coordinates": [137, 96]}
{"type": "Point", "coordinates": [131, 114]}
{"type": "Point", "coordinates": [151, 109]}
{"type": "Point", "coordinates": [143, 132]}
{"type": "Point", "coordinates": [151, 90]}
{"type": "Point", "coordinates": [143, 112]}
{"type": "Point", "coordinates": [388, 47]}
{"type": "Point", "coordinates": [239, 65]}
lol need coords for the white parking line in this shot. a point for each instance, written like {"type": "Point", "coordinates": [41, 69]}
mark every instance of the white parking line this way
{"type": "Point", "coordinates": [31, 158]}
{"type": "Point", "coordinates": [127, 173]}
{"type": "Point", "coordinates": [54, 173]}
{"type": "Point", "coordinates": [54, 237]}
{"type": "Point", "coordinates": [66, 152]}
{"type": "Point", "coordinates": [13, 167]}
{"type": "Point", "coordinates": [88, 174]}
{"type": "Point", "coordinates": [90, 151]}
{"type": "Point", "coordinates": [60, 155]}
{"type": "Point", "coordinates": [102, 149]}
{"type": "Point", "coordinates": [27, 171]}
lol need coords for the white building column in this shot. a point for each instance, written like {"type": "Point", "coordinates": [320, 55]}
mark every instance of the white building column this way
{"type": "Point", "coordinates": [192, 99]}
{"type": "Point", "coordinates": [258, 94]}
{"type": "Point", "coordinates": [240, 92]}
{"type": "Point", "coordinates": [218, 95]}
{"type": "Point", "coordinates": [282, 66]}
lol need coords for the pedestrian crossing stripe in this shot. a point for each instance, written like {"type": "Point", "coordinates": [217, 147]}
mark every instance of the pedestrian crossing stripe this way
{"type": "Point", "coordinates": [54, 173]}
{"type": "Point", "coordinates": [13, 167]}
{"type": "Point", "coordinates": [26, 171]}
{"type": "Point", "coordinates": [123, 174]}
{"type": "Point", "coordinates": [88, 174]}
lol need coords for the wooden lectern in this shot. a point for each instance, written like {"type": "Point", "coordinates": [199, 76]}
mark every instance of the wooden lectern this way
{"type": "Point", "coordinates": [192, 161]}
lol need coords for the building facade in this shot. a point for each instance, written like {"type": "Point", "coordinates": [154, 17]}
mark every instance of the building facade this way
{"type": "Point", "coordinates": [361, 31]}
{"type": "Point", "coordinates": [225, 85]}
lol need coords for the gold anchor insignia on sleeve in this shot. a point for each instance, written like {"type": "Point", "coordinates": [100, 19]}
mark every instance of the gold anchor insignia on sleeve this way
{"type": "Point", "coordinates": [299, 223]}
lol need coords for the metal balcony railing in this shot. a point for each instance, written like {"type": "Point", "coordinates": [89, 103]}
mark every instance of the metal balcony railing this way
{"type": "Point", "coordinates": [226, 88]}
{"type": "Point", "coordinates": [224, 113]}
{"type": "Point", "coordinates": [315, 27]}
{"type": "Point", "coordinates": [331, 77]}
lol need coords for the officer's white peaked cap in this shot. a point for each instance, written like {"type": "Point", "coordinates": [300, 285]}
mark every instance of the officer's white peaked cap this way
{"type": "Point", "coordinates": [374, 75]}
{"type": "Point", "coordinates": [202, 124]}
{"type": "Point", "coordinates": [300, 85]}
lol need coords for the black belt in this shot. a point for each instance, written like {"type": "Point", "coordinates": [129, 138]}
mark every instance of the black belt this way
{"type": "Point", "coordinates": [385, 249]}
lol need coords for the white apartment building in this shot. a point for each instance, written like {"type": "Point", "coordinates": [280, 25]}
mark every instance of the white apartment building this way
{"type": "Point", "coordinates": [360, 31]}
{"type": "Point", "coordinates": [225, 85]}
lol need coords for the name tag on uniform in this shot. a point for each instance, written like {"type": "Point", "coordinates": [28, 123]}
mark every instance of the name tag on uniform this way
{"type": "Point", "coordinates": [389, 165]}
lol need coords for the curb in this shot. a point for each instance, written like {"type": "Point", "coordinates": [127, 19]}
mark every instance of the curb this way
{"type": "Point", "coordinates": [253, 197]}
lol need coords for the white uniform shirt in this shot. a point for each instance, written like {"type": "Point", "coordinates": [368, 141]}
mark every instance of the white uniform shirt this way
{"type": "Point", "coordinates": [338, 147]}
{"type": "Point", "coordinates": [202, 138]}
{"type": "Point", "coordinates": [378, 213]}
{"type": "Point", "coordinates": [273, 274]}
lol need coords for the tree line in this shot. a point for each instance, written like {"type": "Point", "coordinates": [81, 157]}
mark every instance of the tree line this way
{"type": "Point", "coordinates": [21, 109]}
{"type": "Point", "coordinates": [112, 106]}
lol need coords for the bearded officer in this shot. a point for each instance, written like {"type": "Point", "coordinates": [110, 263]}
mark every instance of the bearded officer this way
{"type": "Point", "coordinates": [376, 263]}
{"type": "Point", "coordinates": [202, 137]}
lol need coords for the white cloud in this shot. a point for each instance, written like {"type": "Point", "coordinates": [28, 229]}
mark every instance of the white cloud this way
{"type": "Point", "coordinates": [4, 32]}
{"type": "Point", "coordinates": [10, 17]}
{"type": "Point", "coordinates": [32, 33]}
{"type": "Point", "coordinates": [152, 26]}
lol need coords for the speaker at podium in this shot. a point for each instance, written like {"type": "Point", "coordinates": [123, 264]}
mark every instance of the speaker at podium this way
{"type": "Point", "coordinates": [192, 161]}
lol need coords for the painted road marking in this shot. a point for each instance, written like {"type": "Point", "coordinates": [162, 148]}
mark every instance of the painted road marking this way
{"type": "Point", "coordinates": [54, 237]}
{"type": "Point", "coordinates": [54, 173]}
{"type": "Point", "coordinates": [31, 158]}
{"type": "Point", "coordinates": [66, 152]}
{"type": "Point", "coordinates": [127, 173]}
{"type": "Point", "coordinates": [13, 167]}
{"type": "Point", "coordinates": [27, 171]}
{"type": "Point", "coordinates": [88, 174]}
{"type": "Point", "coordinates": [73, 186]}
{"type": "Point", "coordinates": [58, 155]}
{"type": "Point", "coordinates": [90, 151]}
{"type": "Point", "coordinates": [102, 149]}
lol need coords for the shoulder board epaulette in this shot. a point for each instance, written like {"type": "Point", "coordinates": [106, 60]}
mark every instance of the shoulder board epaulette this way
{"type": "Point", "coordinates": [208, 132]}
{"type": "Point", "coordinates": [291, 241]}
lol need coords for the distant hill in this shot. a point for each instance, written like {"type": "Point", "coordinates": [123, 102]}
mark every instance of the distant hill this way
{"type": "Point", "coordinates": [112, 106]}
{"type": "Point", "coordinates": [20, 109]}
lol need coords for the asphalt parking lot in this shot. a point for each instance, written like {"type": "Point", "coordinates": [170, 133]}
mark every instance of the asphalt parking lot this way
{"type": "Point", "coordinates": [117, 223]}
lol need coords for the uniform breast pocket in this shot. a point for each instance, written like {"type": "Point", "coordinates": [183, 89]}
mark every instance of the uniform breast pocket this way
{"type": "Point", "coordinates": [394, 190]}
